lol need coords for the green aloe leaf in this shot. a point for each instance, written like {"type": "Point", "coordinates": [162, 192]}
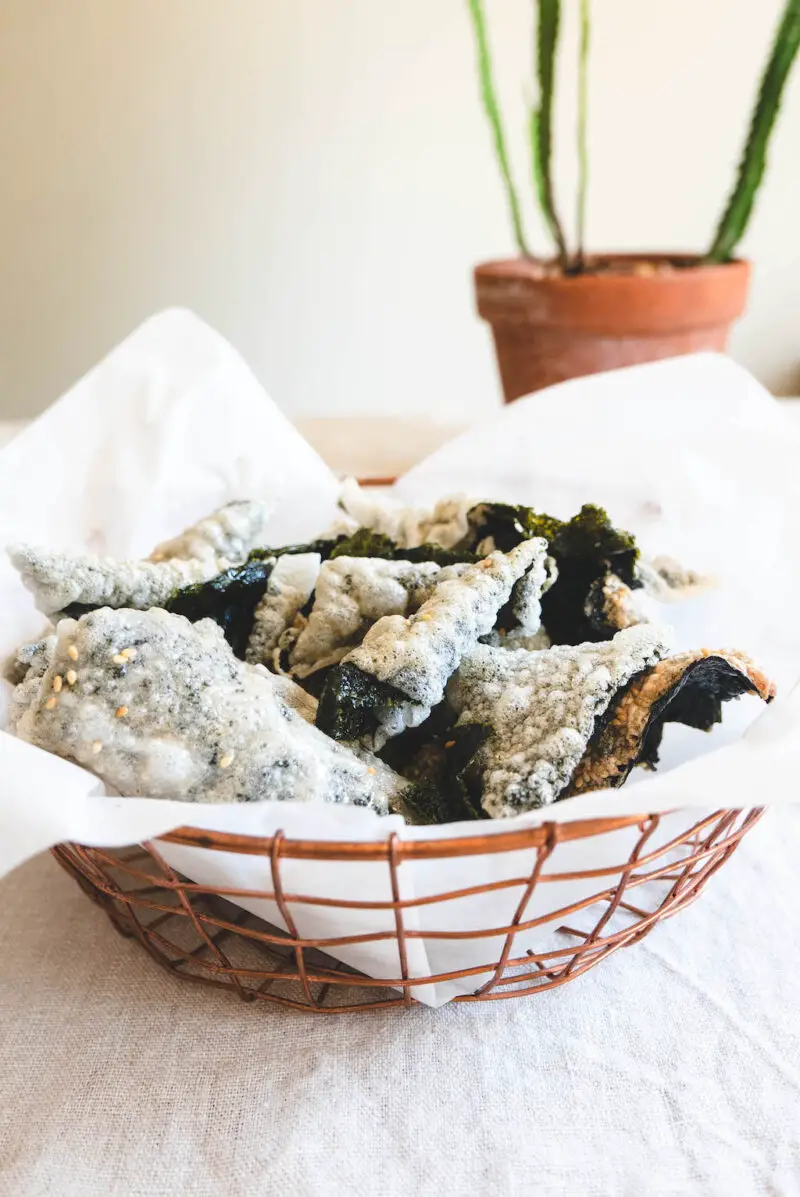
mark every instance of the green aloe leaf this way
{"type": "Point", "coordinates": [541, 121]}
{"type": "Point", "coordinates": [736, 216]}
{"type": "Point", "coordinates": [492, 110]}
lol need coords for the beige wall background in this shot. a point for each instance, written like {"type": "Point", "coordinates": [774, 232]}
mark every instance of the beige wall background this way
{"type": "Point", "coordinates": [314, 178]}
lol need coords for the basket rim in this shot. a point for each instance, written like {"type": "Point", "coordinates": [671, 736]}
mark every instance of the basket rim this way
{"type": "Point", "coordinates": [473, 845]}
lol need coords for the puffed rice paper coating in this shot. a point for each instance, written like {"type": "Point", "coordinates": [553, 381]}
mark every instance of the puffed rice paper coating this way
{"type": "Point", "coordinates": [541, 708]}
{"type": "Point", "coordinates": [289, 588]}
{"type": "Point", "coordinates": [353, 593]}
{"type": "Point", "coordinates": [224, 538]}
{"type": "Point", "coordinates": [58, 580]}
{"type": "Point", "coordinates": [226, 535]}
{"type": "Point", "coordinates": [417, 655]}
{"type": "Point", "coordinates": [160, 707]}
{"type": "Point", "coordinates": [669, 581]}
{"type": "Point", "coordinates": [408, 527]}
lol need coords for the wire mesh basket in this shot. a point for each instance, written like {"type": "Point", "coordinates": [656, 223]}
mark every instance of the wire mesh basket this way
{"type": "Point", "coordinates": [203, 933]}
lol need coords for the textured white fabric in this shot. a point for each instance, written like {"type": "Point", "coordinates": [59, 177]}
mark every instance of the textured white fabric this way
{"type": "Point", "coordinates": [671, 1069]}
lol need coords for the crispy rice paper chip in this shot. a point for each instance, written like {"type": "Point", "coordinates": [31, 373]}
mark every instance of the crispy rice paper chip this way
{"type": "Point", "coordinates": [251, 608]}
{"type": "Point", "coordinates": [394, 678]}
{"type": "Point", "coordinates": [537, 712]}
{"type": "Point", "coordinates": [352, 594]}
{"type": "Point", "coordinates": [289, 589]}
{"type": "Point", "coordinates": [244, 601]}
{"type": "Point", "coordinates": [665, 579]}
{"type": "Point", "coordinates": [160, 707]}
{"type": "Point", "coordinates": [226, 536]}
{"type": "Point", "coordinates": [61, 583]}
{"type": "Point", "coordinates": [526, 597]}
{"type": "Point", "coordinates": [689, 688]}
{"type": "Point", "coordinates": [408, 527]}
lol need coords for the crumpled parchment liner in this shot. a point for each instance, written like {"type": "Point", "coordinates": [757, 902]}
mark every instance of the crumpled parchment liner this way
{"type": "Point", "coordinates": [692, 455]}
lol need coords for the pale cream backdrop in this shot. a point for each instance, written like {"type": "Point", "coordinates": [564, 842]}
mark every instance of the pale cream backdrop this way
{"type": "Point", "coordinates": [314, 178]}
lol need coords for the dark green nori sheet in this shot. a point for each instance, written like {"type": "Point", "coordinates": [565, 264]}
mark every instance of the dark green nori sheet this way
{"type": "Point", "coordinates": [437, 758]}
{"type": "Point", "coordinates": [351, 701]}
{"type": "Point", "coordinates": [586, 548]}
{"type": "Point", "coordinates": [230, 599]}
{"type": "Point", "coordinates": [696, 700]}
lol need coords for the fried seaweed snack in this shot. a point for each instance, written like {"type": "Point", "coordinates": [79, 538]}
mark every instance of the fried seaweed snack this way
{"type": "Point", "coordinates": [352, 594]}
{"type": "Point", "coordinates": [537, 711]}
{"type": "Point", "coordinates": [603, 584]}
{"type": "Point", "coordinates": [586, 550]}
{"type": "Point", "coordinates": [476, 647]}
{"type": "Point", "coordinates": [159, 707]}
{"type": "Point", "coordinates": [63, 583]}
{"type": "Point", "coordinates": [227, 535]}
{"type": "Point", "coordinates": [689, 688]}
{"type": "Point", "coordinates": [408, 527]}
{"type": "Point", "coordinates": [394, 678]}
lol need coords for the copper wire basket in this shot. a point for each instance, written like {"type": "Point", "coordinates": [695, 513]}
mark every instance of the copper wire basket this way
{"type": "Point", "coordinates": [199, 932]}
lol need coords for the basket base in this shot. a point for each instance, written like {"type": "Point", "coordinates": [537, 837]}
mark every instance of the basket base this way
{"type": "Point", "coordinates": [204, 937]}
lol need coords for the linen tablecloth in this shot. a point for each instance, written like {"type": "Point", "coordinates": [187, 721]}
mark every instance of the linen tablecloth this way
{"type": "Point", "coordinates": [673, 1068]}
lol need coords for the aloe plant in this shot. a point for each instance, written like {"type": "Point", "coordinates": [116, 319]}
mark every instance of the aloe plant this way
{"type": "Point", "coordinates": [752, 166]}
{"type": "Point", "coordinates": [735, 218]}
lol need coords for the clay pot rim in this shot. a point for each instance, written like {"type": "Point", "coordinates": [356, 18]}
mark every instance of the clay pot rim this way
{"type": "Point", "coordinates": [689, 267]}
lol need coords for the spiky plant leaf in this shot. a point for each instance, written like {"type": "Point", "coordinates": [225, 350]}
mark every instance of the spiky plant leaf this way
{"type": "Point", "coordinates": [492, 110]}
{"type": "Point", "coordinates": [541, 120]}
{"type": "Point", "coordinates": [734, 219]}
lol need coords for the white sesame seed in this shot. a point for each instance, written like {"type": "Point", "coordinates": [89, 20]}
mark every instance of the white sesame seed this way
{"type": "Point", "coordinates": [120, 712]}
{"type": "Point", "coordinates": [226, 760]}
{"type": "Point", "coordinates": [58, 682]}
{"type": "Point", "coordinates": [97, 747]}
{"type": "Point", "coordinates": [51, 702]}
{"type": "Point", "coordinates": [119, 659]}
{"type": "Point", "coordinates": [129, 653]}
{"type": "Point", "coordinates": [71, 677]}
{"type": "Point", "coordinates": [72, 653]}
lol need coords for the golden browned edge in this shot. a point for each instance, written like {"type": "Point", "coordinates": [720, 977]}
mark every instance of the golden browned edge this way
{"type": "Point", "coordinates": [621, 739]}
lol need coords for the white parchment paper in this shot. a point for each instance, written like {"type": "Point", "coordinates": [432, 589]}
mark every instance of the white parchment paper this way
{"type": "Point", "coordinates": [692, 455]}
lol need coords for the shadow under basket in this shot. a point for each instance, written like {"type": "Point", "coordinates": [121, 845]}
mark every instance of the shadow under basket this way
{"type": "Point", "coordinates": [200, 933]}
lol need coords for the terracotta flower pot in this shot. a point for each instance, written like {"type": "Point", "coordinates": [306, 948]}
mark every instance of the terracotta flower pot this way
{"type": "Point", "coordinates": [636, 308]}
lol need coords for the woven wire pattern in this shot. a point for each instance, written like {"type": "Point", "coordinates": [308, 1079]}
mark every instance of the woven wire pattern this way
{"type": "Point", "coordinates": [200, 933]}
